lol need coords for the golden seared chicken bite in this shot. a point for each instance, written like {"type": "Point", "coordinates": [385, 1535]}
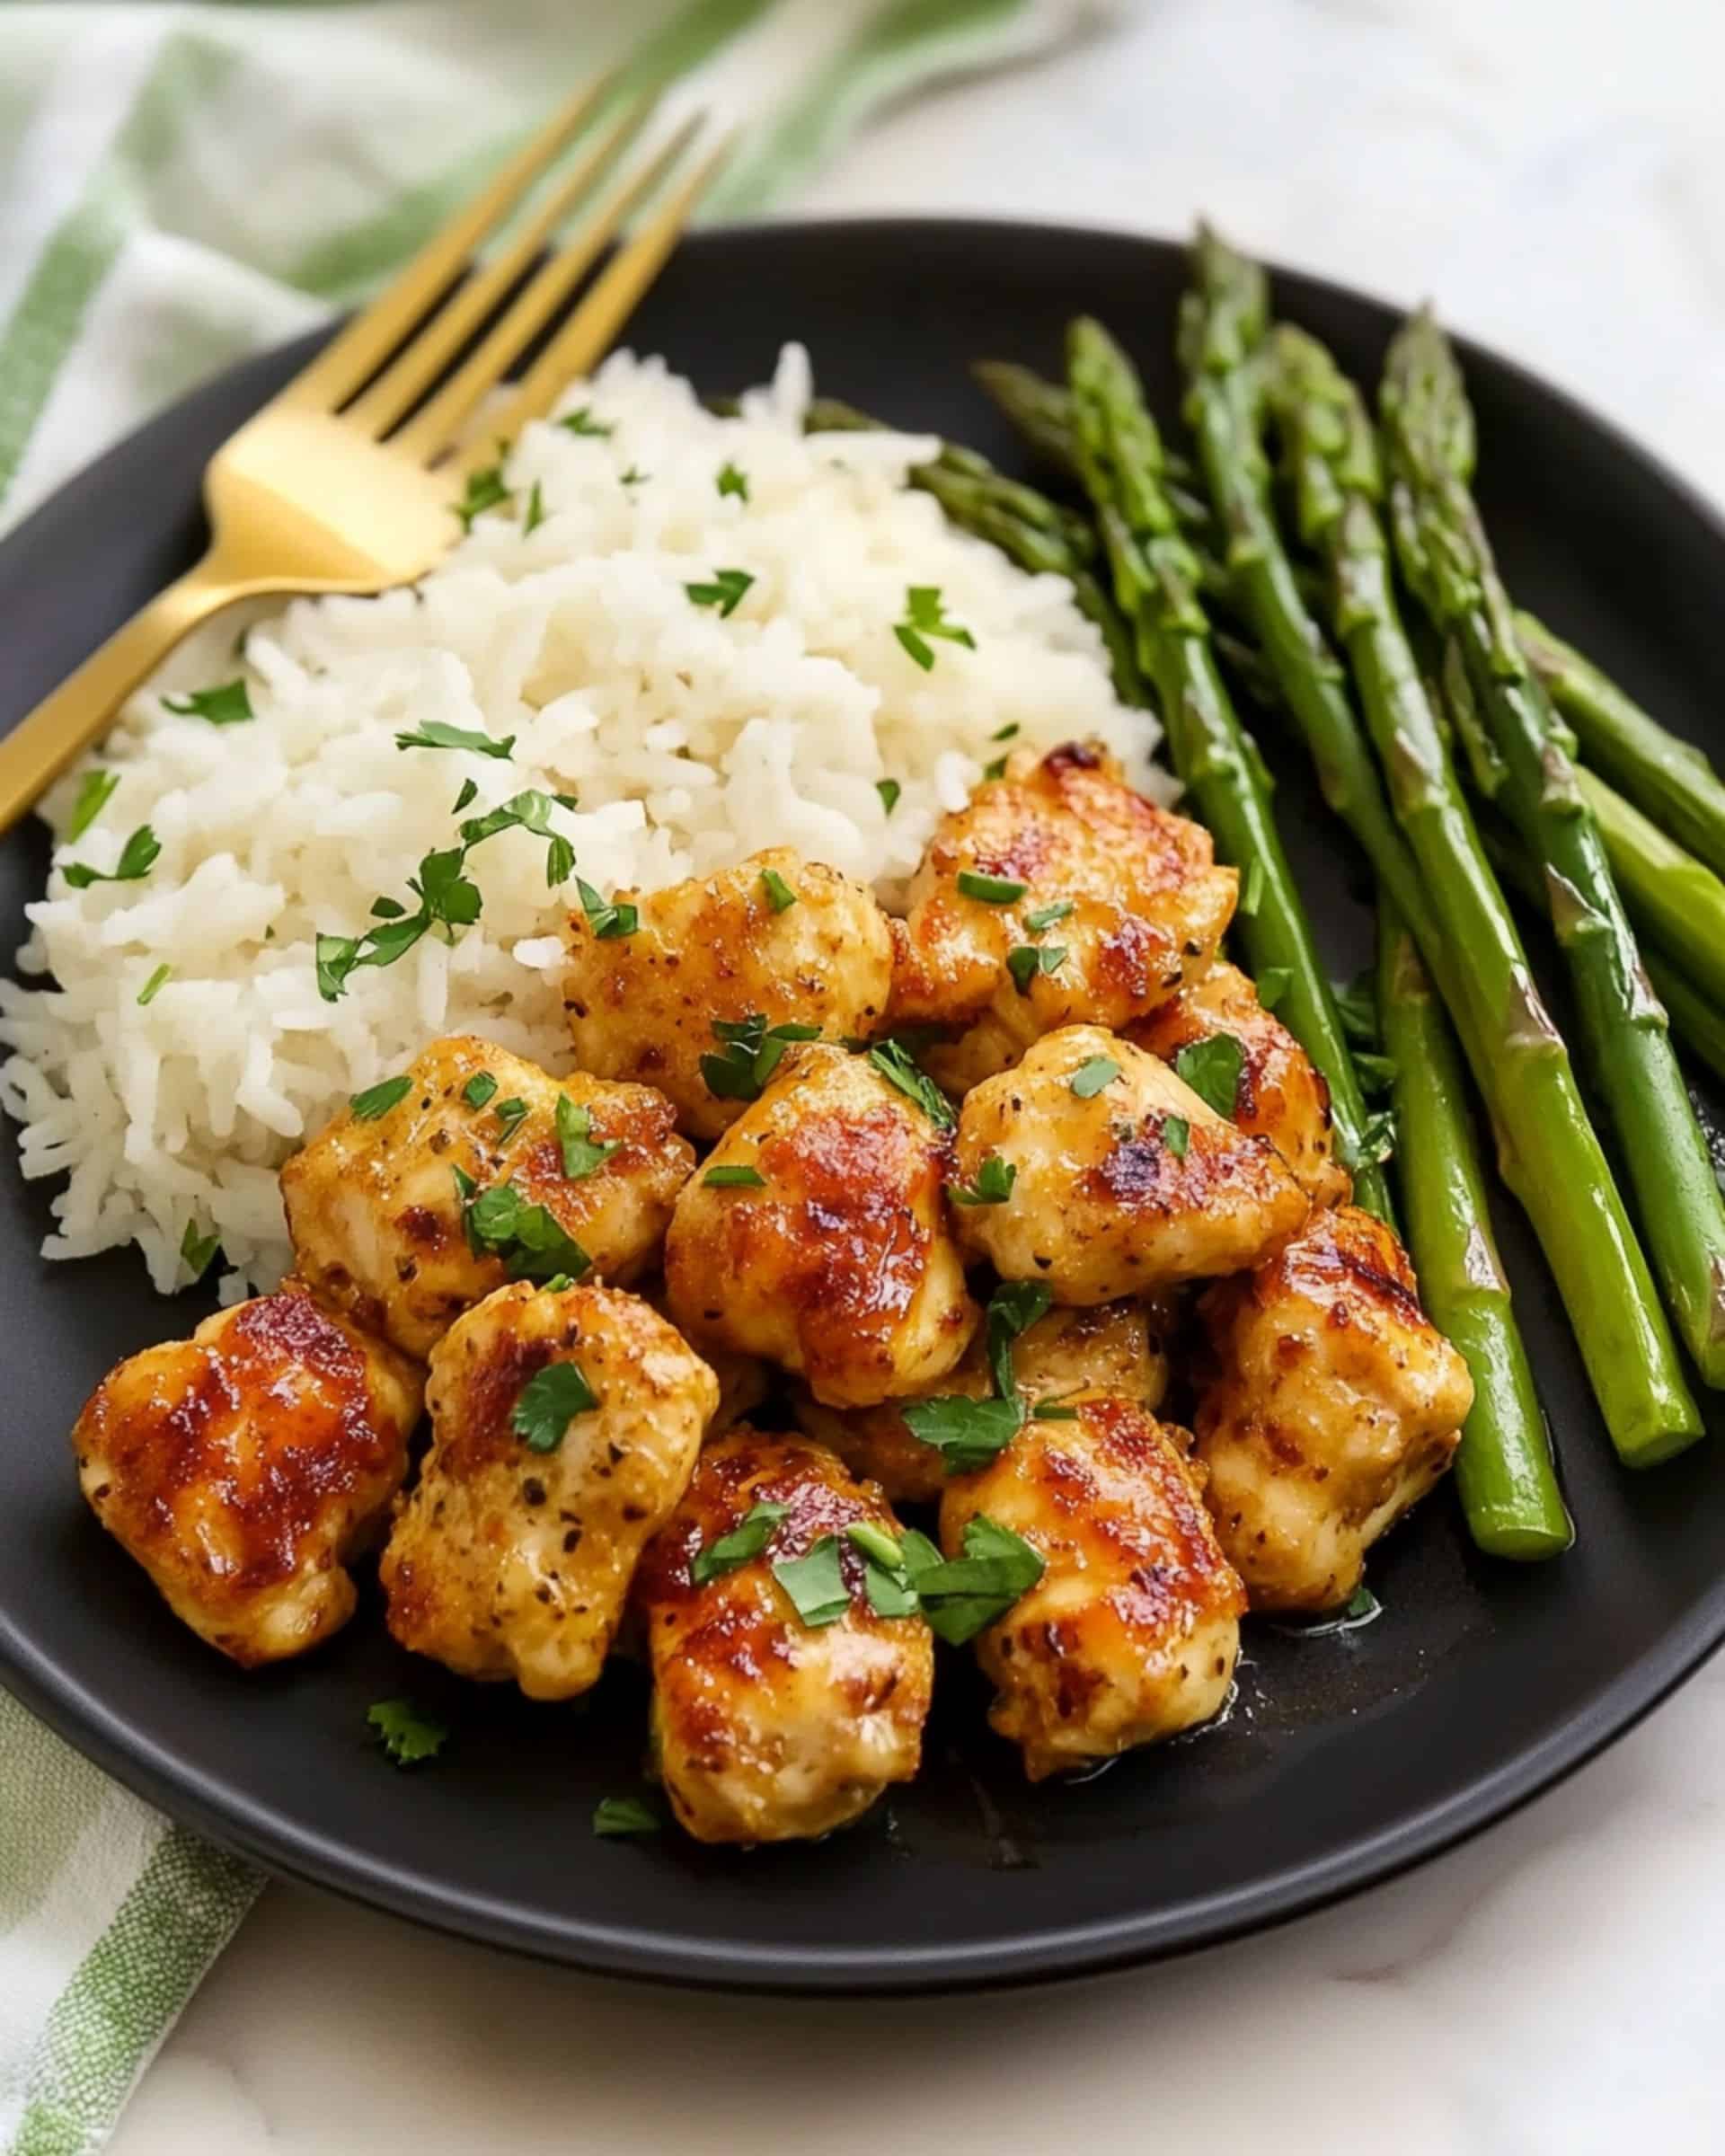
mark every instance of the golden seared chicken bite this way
{"type": "Point", "coordinates": [783, 1704]}
{"type": "Point", "coordinates": [243, 1467]}
{"type": "Point", "coordinates": [1332, 1405]}
{"type": "Point", "coordinates": [1110, 1349]}
{"type": "Point", "coordinates": [565, 1422]}
{"type": "Point", "coordinates": [816, 1234]}
{"type": "Point", "coordinates": [777, 939]}
{"type": "Point", "coordinates": [1279, 1093]}
{"type": "Point", "coordinates": [474, 1169]}
{"type": "Point", "coordinates": [1132, 1631]}
{"type": "Point", "coordinates": [1123, 1180]}
{"type": "Point", "coordinates": [1057, 896]}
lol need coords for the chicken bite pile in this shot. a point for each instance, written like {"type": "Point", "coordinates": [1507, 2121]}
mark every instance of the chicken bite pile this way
{"type": "Point", "coordinates": [976, 1191]}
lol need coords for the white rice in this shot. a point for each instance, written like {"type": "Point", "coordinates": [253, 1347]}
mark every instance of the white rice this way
{"type": "Point", "coordinates": [691, 740]}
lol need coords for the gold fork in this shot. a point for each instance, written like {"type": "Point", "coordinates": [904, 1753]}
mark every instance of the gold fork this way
{"type": "Point", "coordinates": [346, 479]}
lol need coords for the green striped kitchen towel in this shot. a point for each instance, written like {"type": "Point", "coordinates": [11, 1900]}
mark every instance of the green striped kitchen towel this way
{"type": "Point", "coordinates": [179, 185]}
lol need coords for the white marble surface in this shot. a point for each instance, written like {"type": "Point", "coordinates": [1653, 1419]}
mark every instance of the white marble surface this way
{"type": "Point", "coordinates": [1554, 171]}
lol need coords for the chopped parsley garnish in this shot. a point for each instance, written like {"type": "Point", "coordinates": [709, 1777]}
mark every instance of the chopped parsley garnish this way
{"type": "Point", "coordinates": [925, 617]}
{"type": "Point", "coordinates": [1090, 1076]}
{"type": "Point", "coordinates": [197, 1252]}
{"type": "Point", "coordinates": [377, 1099]}
{"type": "Point", "coordinates": [228, 705]}
{"type": "Point", "coordinates": [622, 1818]}
{"type": "Point", "coordinates": [1362, 1606]}
{"type": "Point", "coordinates": [147, 994]}
{"type": "Point", "coordinates": [407, 1733]}
{"type": "Point", "coordinates": [993, 1186]}
{"type": "Point", "coordinates": [509, 1114]}
{"type": "Point", "coordinates": [875, 1542]}
{"type": "Point", "coordinates": [501, 1223]}
{"type": "Point", "coordinates": [730, 480]}
{"type": "Point", "coordinates": [549, 1402]}
{"type": "Point", "coordinates": [994, 890]}
{"type": "Point", "coordinates": [485, 490]}
{"type": "Point", "coordinates": [815, 1582]}
{"type": "Point", "coordinates": [582, 1153]}
{"type": "Point", "coordinates": [1045, 916]}
{"type": "Point", "coordinates": [996, 770]}
{"type": "Point", "coordinates": [633, 477]}
{"type": "Point", "coordinates": [560, 861]}
{"type": "Point", "coordinates": [779, 894]}
{"type": "Point", "coordinates": [752, 1053]}
{"type": "Point", "coordinates": [1375, 1145]}
{"type": "Point", "coordinates": [446, 896]}
{"type": "Point", "coordinates": [1251, 892]}
{"type": "Point", "coordinates": [888, 788]}
{"type": "Point", "coordinates": [725, 591]}
{"type": "Point", "coordinates": [1176, 1134]}
{"type": "Point", "coordinates": [583, 422]}
{"type": "Point", "coordinates": [960, 1596]}
{"type": "Point", "coordinates": [1024, 961]}
{"type": "Point", "coordinates": [535, 510]}
{"type": "Point", "coordinates": [96, 791]}
{"type": "Point", "coordinates": [886, 1569]}
{"type": "Point", "coordinates": [479, 1088]}
{"type": "Point", "coordinates": [1005, 733]}
{"type": "Point", "coordinates": [738, 1178]}
{"type": "Point", "coordinates": [746, 1542]}
{"type": "Point", "coordinates": [435, 734]}
{"type": "Point", "coordinates": [1273, 983]}
{"type": "Point", "coordinates": [1013, 1309]}
{"type": "Point", "coordinates": [1052, 1410]}
{"type": "Point", "coordinates": [469, 792]}
{"type": "Point", "coordinates": [966, 1433]}
{"type": "Point", "coordinates": [138, 857]}
{"type": "Point", "coordinates": [606, 918]}
{"type": "Point", "coordinates": [897, 1065]}
{"type": "Point", "coordinates": [1212, 1069]}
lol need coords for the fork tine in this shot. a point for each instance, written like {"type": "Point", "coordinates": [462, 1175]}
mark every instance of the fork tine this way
{"type": "Point", "coordinates": [432, 430]}
{"type": "Point", "coordinates": [588, 335]}
{"type": "Point", "coordinates": [400, 386]}
{"type": "Point", "coordinates": [344, 363]}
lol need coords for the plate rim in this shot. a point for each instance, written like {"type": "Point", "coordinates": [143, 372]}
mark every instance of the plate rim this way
{"type": "Point", "coordinates": [286, 1847]}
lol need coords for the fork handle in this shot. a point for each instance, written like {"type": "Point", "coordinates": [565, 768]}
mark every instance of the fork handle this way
{"type": "Point", "coordinates": [81, 710]}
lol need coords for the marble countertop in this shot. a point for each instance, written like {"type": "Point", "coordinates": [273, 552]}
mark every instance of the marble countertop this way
{"type": "Point", "coordinates": [1554, 171]}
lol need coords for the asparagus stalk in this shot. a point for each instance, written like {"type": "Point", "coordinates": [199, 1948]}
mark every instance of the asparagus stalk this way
{"type": "Point", "coordinates": [1548, 1151]}
{"type": "Point", "coordinates": [1155, 584]}
{"type": "Point", "coordinates": [1041, 412]}
{"type": "Point", "coordinates": [1503, 1468]}
{"type": "Point", "coordinates": [1670, 779]}
{"type": "Point", "coordinates": [1670, 896]}
{"type": "Point", "coordinates": [1448, 560]}
{"type": "Point", "coordinates": [1699, 1026]}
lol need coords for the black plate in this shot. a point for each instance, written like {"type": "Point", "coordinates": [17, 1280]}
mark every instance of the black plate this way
{"type": "Point", "coordinates": [1346, 1759]}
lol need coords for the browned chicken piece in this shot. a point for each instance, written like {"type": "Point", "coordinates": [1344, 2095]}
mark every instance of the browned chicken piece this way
{"type": "Point", "coordinates": [1132, 1631]}
{"type": "Point", "coordinates": [484, 1170]}
{"type": "Point", "coordinates": [1110, 903]}
{"type": "Point", "coordinates": [564, 1427]}
{"type": "Point", "coordinates": [243, 1467]}
{"type": "Point", "coordinates": [767, 1727]}
{"type": "Point", "coordinates": [1126, 1182]}
{"type": "Point", "coordinates": [1334, 1405]}
{"type": "Point", "coordinates": [1111, 1349]}
{"type": "Point", "coordinates": [1282, 1095]}
{"type": "Point", "coordinates": [832, 1256]}
{"type": "Point", "coordinates": [777, 937]}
